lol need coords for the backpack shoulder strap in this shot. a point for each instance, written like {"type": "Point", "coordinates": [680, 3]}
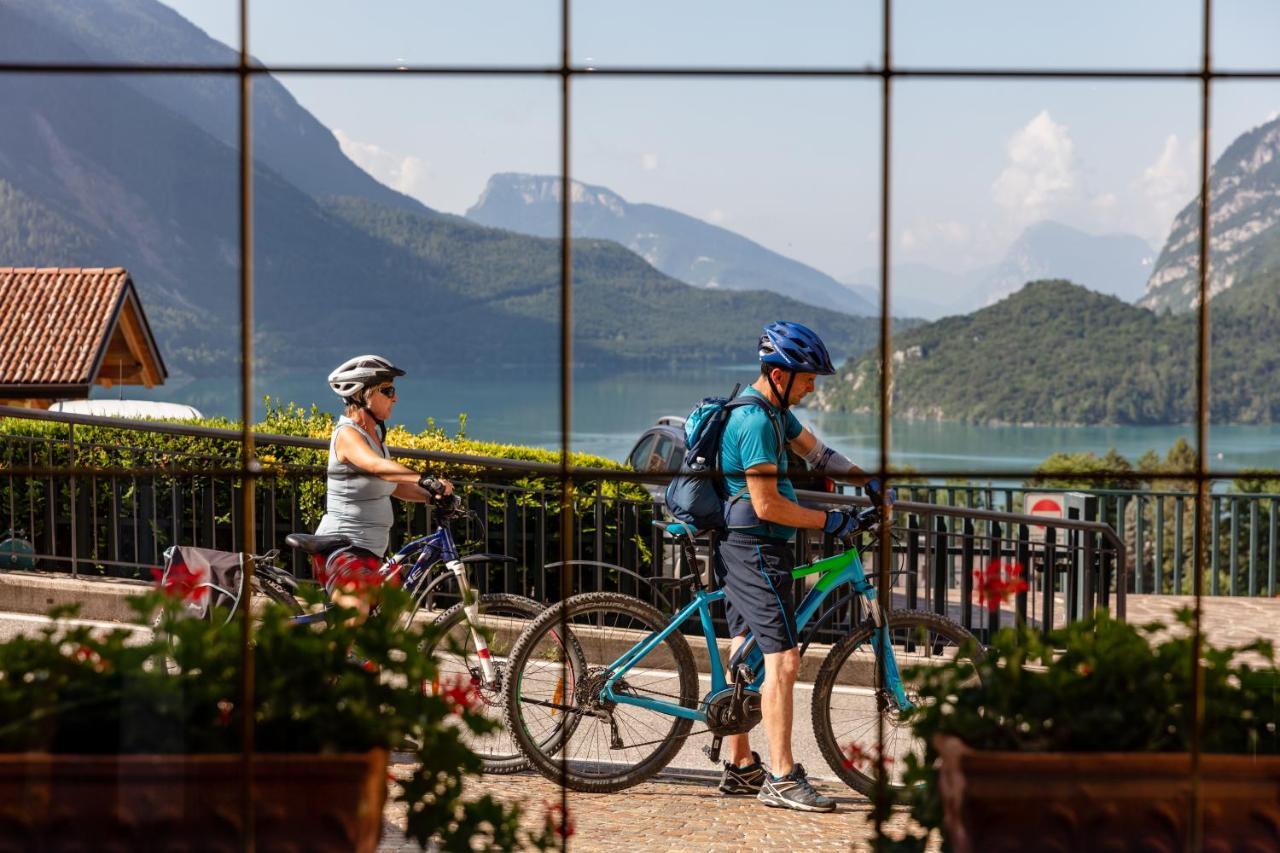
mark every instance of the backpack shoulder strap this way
{"type": "Point", "coordinates": [770, 412]}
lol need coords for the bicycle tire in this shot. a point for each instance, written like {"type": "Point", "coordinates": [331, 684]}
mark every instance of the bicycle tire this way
{"type": "Point", "coordinates": [911, 629]}
{"type": "Point", "coordinates": [590, 644]}
{"type": "Point", "coordinates": [498, 752]}
{"type": "Point", "coordinates": [278, 593]}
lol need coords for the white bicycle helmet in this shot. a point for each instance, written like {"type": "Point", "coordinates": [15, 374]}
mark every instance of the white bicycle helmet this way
{"type": "Point", "coordinates": [360, 372]}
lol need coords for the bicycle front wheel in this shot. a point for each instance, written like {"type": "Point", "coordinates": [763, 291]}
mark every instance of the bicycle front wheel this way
{"type": "Point", "coordinates": [269, 587]}
{"type": "Point", "coordinates": [502, 618]}
{"type": "Point", "coordinates": [848, 701]}
{"type": "Point", "coordinates": [557, 708]}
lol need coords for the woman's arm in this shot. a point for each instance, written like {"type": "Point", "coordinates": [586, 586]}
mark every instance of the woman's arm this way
{"type": "Point", "coordinates": [350, 447]}
{"type": "Point", "coordinates": [412, 492]}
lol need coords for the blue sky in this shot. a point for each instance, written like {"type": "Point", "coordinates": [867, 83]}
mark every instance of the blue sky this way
{"type": "Point", "coordinates": [794, 163]}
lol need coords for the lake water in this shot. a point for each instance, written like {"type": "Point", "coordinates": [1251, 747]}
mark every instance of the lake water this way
{"type": "Point", "coordinates": [610, 413]}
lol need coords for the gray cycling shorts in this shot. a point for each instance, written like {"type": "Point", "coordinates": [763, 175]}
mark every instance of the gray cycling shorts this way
{"type": "Point", "coordinates": [755, 573]}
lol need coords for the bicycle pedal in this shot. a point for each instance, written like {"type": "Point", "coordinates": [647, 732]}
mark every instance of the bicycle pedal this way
{"type": "Point", "coordinates": [712, 752]}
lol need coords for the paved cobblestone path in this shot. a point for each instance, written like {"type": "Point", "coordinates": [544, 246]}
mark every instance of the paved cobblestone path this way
{"type": "Point", "coordinates": [684, 813]}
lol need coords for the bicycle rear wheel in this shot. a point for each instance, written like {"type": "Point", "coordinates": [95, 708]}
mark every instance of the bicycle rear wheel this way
{"type": "Point", "coordinates": [848, 701]}
{"type": "Point", "coordinates": [556, 709]}
{"type": "Point", "coordinates": [503, 616]}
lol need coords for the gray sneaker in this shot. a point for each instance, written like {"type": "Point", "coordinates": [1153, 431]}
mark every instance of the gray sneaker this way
{"type": "Point", "coordinates": [743, 780]}
{"type": "Point", "coordinates": [793, 791]}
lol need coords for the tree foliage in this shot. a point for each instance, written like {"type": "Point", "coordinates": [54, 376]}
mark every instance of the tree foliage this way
{"type": "Point", "coordinates": [1056, 353]}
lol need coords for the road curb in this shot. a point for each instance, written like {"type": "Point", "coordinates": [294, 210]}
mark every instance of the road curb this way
{"type": "Point", "coordinates": [101, 599]}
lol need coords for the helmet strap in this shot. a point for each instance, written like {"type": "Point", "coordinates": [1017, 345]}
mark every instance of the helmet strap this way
{"type": "Point", "coordinates": [783, 399]}
{"type": "Point", "coordinates": [357, 399]}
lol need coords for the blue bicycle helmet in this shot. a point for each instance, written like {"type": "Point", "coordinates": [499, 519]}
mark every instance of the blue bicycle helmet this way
{"type": "Point", "coordinates": [794, 347]}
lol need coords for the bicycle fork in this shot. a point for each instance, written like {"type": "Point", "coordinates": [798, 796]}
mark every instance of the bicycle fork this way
{"type": "Point", "coordinates": [884, 647]}
{"type": "Point", "coordinates": [471, 606]}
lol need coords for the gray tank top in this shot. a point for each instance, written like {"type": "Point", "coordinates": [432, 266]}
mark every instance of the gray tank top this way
{"type": "Point", "coordinates": [358, 504]}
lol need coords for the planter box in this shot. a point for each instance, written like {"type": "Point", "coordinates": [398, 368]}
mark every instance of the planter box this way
{"type": "Point", "coordinates": [1130, 801]}
{"type": "Point", "coordinates": [190, 802]}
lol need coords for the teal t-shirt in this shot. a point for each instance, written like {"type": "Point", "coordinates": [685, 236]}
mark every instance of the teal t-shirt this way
{"type": "Point", "coordinates": [750, 439]}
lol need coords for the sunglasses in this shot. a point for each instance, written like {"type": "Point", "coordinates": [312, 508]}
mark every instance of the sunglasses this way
{"type": "Point", "coordinates": [388, 391]}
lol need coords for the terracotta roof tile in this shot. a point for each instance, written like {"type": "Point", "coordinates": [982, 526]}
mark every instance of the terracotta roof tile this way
{"type": "Point", "coordinates": [54, 322]}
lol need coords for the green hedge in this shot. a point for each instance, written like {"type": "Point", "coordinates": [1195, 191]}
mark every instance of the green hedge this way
{"type": "Point", "coordinates": [289, 473]}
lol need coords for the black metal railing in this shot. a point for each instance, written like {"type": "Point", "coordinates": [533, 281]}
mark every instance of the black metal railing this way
{"type": "Point", "coordinates": [103, 520]}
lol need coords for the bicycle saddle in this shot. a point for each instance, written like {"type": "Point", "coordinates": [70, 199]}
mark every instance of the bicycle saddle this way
{"type": "Point", "coordinates": [674, 583]}
{"type": "Point", "coordinates": [317, 544]}
{"type": "Point", "coordinates": [679, 528]}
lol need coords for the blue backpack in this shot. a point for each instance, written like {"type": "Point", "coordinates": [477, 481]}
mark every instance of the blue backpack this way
{"type": "Point", "coordinates": [696, 496]}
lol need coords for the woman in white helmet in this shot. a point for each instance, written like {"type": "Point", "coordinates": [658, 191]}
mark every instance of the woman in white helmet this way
{"type": "Point", "coordinates": [362, 478]}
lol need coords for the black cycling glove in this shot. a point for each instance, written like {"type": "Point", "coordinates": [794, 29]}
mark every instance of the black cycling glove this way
{"type": "Point", "coordinates": [432, 486]}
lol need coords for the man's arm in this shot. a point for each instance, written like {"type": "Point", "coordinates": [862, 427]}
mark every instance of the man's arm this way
{"type": "Point", "coordinates": [823, 460]}
{"type": "Point", "coordinates": [770, 504]}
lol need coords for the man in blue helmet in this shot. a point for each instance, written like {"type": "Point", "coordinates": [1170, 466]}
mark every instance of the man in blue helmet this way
{"type": "Point", "coordinates": [755, 558]}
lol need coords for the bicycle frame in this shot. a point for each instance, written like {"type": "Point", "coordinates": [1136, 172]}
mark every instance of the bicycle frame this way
{"type": "Point", "coordinates": [436, 548]}
{"type": "Point", "coordinates": [421, 556]}
{"type": "Point", "coordinates": [833, 572]}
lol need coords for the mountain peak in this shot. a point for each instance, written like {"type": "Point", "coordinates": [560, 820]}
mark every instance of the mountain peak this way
{"type": "Point", "coordinates": [1244, 188]}
{"type": "Point", "coordinates": [683, 247]}
{"type": "Point", "coordinates": [526, 189]}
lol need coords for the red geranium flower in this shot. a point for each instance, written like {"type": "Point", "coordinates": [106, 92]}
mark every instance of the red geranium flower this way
{"type": "Point", "coordinates": [857, 758]}
{"type": "Point", "coordinates": [84, 654]}
{"type": "Point", "coordinates": [558, 820]}
{"type": "Point", "coordinates": [461, 693]}
{"type": "Point", "coordinates": [1000, 581]}
{"type": "Point", "coordinates": [181, 583]}
{"type": "Point", "coordinates": [460, 690]}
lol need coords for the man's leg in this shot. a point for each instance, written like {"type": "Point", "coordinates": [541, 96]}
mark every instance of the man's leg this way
{"type": "Point", "coordinates": [777, 702]}
{"type": "Point", "coordinates": [738, 746]}
{"type": "Point", "coordinates": [788, 787]}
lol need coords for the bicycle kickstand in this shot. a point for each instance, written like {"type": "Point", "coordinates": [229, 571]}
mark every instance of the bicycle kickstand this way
{"type": "Point", "coordinates": [713, 752]}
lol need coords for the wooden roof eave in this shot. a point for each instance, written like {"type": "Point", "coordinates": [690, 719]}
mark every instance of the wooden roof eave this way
{"type": "Point", "coordinates": [50, 391]}
{"type": "Point", "coordinates": [129, 297]}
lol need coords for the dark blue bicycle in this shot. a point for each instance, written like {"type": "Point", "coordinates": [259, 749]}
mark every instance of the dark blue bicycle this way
{"type": "Point", "coordinates": [476, 632]}
{"type": "Point", "coordinates": [610, 702]}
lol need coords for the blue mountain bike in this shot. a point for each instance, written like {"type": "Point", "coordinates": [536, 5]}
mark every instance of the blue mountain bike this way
{"type": "Point", "coordinates": [610, 701]}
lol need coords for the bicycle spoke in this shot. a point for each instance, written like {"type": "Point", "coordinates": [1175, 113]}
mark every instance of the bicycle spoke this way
{"type": "Point", "coordinates": [611, 738]}
{"type": "Point", "coordinates": [849, 725]}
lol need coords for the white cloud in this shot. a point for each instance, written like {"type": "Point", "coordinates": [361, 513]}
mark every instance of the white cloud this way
{"type": "Point", "coordinates": [927, 234]}
{"type": "Point", "coordinates": [1103, 202]}
{"type": "Point", "coordinates": [1166, 186]}
{"type": "Point", "coordinates": [716, 216]}
{"type": "Point", "coordinates": [1040, 172]}
{"type": "Point", "coordinates": [649, 162]}
{"type": "Point", "coordinates": [406, 173]}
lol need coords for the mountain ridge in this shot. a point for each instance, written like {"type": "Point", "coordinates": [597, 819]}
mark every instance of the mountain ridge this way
{"type": "Point", "coordinates": [1114, 263]}
{"type": "Point", "coordinates": [684, 247]}
{"type": "Point", "coordinates": [1244, 245]}
{"type": "Point", "coordinates": [1056, 353]}
{"type": "Point", "coordinates": [96, 172]}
